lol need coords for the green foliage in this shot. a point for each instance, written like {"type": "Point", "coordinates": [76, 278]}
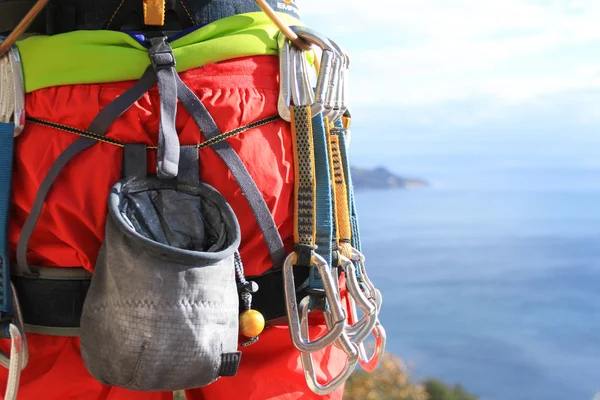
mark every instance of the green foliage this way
{"type": "Point", "coordinates": [438, 390]}
{"type": "Point", "coordinates": [391, 381]}
{"type": "Point", "coordinates": [179, 395]}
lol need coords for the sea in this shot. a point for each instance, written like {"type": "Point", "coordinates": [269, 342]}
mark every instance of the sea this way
{"type": "Point", "coordinates": [490, 276]}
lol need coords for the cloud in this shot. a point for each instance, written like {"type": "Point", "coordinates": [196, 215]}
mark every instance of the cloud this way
{"type": "Point", "coordinates": [429, 52]}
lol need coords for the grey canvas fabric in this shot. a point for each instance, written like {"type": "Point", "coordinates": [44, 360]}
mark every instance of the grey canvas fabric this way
{"type": "Point", "coordinates": [162, 310]}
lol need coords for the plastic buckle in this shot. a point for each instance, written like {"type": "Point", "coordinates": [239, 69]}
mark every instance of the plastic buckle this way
{"type": "Point", "coordinates": [161, 53]}
{"type": "Point", "coordinates": [19, 352]}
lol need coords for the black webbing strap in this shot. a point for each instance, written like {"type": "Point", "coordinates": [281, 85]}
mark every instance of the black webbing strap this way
{"type": "Point", "coordinates": [53, 304]}
{"type": "Point", "coordinates": [99, 126]}
{"type": "Point", "coordinates": [135, 163]}
{"type": "Point", "coordinates": [189, 165]}
{"type": "Point", "coordinates": [261, 212]}
{"type": "Point", "coordinates": [269, 300]}
{"type": "Point", "coordinates": [135, 160]}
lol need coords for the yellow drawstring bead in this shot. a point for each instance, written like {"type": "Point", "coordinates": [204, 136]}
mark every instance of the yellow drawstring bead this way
{"type": "Point", "coordinates": [252, 323]}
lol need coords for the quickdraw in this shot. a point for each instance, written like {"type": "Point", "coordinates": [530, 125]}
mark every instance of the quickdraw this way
{"type": "Point", "coordinates": [326, 226]}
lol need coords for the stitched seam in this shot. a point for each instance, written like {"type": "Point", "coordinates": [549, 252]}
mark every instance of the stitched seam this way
{"type": "Point", "coordinates": [114, 14]}
{"type": "Point", "coordinates": [188, 13]}
{"type": "Point", "coordinates": [152, 304]}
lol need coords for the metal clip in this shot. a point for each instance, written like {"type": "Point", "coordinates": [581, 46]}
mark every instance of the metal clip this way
{"type": "Point", "coordinates": [12, 90]}
{"type": "Point", "coordinates": [283, 101]}
{"type": "Point", "coordinates": [327, 79]}
{"type": "Point", "coordinates": [301, 342]}
{"type": "Point", "coordinates": [358, 330]}
{"type": "Point", "coordinates": [369, 364]}
{"type": "Point", "coordinates": [294, 80]}
{"type": "Point", "coordinates": [19, 352]}
{"type": "Point", "coordinates": [308, 364]}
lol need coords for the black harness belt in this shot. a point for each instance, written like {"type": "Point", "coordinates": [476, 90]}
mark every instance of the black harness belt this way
{"type": "Point", "coordinates": [52, 301]}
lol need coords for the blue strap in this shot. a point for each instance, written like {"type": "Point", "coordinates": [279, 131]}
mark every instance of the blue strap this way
{"type": "Point", "coordinates": [7, 131]}
{"type": "Point", "coordinates": [324, 208]}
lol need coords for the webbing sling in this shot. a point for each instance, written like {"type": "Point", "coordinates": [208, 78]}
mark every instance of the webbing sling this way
{"type": "Point", "coordinates": [340, 195]}
{"type": "Point", "coordinates": [346, 168]}
{"type": "Point", "coordinates": [305, 185]}
{"type": "Point", "coordinates": [324, 214]}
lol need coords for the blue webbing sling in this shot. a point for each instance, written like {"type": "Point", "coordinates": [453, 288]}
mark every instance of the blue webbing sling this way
{"type": "Point", "coordinates": [324, 211]}
{"type": "Point", "coordinates": [7, 131]}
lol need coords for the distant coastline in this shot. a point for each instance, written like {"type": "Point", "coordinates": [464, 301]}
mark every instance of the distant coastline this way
{"type": "Point", "coordinates": [382, 178]}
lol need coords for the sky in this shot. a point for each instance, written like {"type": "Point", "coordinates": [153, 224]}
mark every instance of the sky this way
{"type": "Point", "coordinates": [445, 74]}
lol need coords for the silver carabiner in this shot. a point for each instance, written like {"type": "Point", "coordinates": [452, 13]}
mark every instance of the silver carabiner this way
{"type": "Point", "coordinates": [19, 351]}
{"type": "Point", "coordinates": [308, 364]}
{"type": "Point", "coordinates": [370, 364]}
{"type": "Point", "coordinates": [283, 100]}
{"type": "Point", "coordinates": [339, 106]}
{"type": "Point", "coordinates": [294, 80]}
{"type": "Point", "coordinates": [328, 68]}
{"type": "Point", "coordinates": [359, 258]}
{"type": "Point", "coordinates": [358, 330]}
{"type": "Point", "coordinates": [12, 90]}
{"type": "Point", "coordinates": [332, 295]}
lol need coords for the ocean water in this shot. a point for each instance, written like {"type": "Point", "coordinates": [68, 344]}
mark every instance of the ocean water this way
{"type": "Point", "coordinates": [492, 279]}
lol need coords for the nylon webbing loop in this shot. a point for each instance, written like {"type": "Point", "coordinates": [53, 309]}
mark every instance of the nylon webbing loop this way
{"type": "Point", "coordinates": [324, 212]}
{"type": "Point", "coordinates": [163, 63]}
{"type": "Point", "coordinates": [343, 147]}
{"type": "Point", "coordinates": [154, 12]}
{"type": "Point", "coordinates": [305, 187]}
{"type": "Point", "coordinates": [340, 198]}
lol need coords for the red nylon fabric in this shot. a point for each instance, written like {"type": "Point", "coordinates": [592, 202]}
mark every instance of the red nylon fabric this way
{"type": "Point", "coordinates": [71, 227]}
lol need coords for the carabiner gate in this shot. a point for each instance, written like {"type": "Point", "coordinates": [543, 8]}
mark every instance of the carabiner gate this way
{"type": "Point", "coordinates": [358, 330]}
{"type": "Point", "coordinates": [301, 342]}
{"type": "Point", "coordinates": [19, 352]}
{"type": "Point", "coordinates": [12, 90]}
{"type": "Point", "coordinates": [308, 364]}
